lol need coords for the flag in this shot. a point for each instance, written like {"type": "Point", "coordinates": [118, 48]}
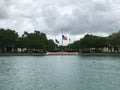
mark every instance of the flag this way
{"type": "Point", "coordinates": [64, 37]}
{"type": "Point", "coordinates": [56, 41]}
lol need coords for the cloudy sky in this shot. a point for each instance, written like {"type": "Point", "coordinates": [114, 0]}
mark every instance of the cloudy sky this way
{"type": "Point", "coordinates": [74, 17]}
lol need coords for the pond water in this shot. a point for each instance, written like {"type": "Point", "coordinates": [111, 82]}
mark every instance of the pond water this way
{"type": "Point", "coordinates": [60, 72]}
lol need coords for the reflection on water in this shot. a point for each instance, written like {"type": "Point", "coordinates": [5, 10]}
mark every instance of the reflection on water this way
{"type": "Point", "coordinates": [59, 73]}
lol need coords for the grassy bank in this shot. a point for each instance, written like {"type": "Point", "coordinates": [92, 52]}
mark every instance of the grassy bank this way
{"type": "Point", "coordinates": [22, 54]}
{"type": "Point", "coordinates": [101, 54]}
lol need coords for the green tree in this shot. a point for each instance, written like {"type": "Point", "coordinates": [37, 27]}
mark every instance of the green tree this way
{"type": "Point", "coordinates": [36, 40]}
{"type": "Point", "coordinates": [114, 41]}
{"type": "Point", "coordinates": [88, 42]}
{"type": "Point", "coordinates": [7, 39]}
{"type": "Point", "coordinates": [51, 45]}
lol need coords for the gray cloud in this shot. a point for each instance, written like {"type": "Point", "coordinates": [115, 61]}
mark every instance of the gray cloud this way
{"type": "Point", "coordinates": [51, 16]}
{"type": "Point", "coordinates": [3, 9]}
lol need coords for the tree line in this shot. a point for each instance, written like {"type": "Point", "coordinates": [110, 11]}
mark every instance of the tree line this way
{"type": "Point", "coordinates": [10, 41]}
{"type": "Point", "coordinates": [37, 41]}
{"type": "Point", "coordinates": [92, 43]}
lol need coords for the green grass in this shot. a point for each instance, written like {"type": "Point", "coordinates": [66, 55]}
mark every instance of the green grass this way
{"type": "Point", "coordinates": [22, 54]}
{"type": "Point", "coordinates": [101, 54]}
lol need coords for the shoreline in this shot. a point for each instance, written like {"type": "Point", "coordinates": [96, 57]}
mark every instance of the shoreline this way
{"type": "Point", "coordinates": [22, 54]}
{"type": "Point", "coordinates": [59, 53]}
{"type": "Point", "coordinates": [62, 53]}
{"type": "Point", "coordinates": [99, 54]}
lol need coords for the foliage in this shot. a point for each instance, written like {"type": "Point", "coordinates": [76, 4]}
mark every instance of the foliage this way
{"type": "Point", "coordinates": [9, 39]}
{"type": "Point", "coordinates": [51, 44]}
{"type": "Point", "coordinates": [89, 42]}
{"type": "Point", "coordinates": [35, 40]}
{"type": "Point", "coordinates": [38, 42]}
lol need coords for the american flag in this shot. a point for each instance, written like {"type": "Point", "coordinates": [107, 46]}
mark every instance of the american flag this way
{"type": "Point", "coordinates": [64, 37]}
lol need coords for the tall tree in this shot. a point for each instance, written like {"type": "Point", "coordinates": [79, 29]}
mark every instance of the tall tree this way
{"type": "Point", "coordinates": [114, 41]}
{"type": "Point", "coordinates": [7, 39]}
{"type": "Point", "coordinates": [35, 40]}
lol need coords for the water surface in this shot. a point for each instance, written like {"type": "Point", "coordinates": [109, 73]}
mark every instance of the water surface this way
{"type": "Point", "coordinates": [59, 73]}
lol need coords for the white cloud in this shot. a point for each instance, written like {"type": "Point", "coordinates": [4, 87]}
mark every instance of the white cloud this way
{"type": "Point", "coordinates": [75, 17]}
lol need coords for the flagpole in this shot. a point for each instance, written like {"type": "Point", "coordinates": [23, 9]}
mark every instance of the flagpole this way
{"type": "Point", "coordinates": [62, 40]}
{"type": "Point", "coordinates": [56, 44]}
{"type": "Point", "coordinates": [69, 42]}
